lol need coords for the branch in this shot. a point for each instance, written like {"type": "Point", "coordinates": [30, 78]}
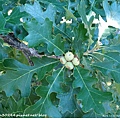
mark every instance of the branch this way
{"type": "Point", "coordinates": [14, 42]}
{"type": "Point", "coordinates": [28, 52]}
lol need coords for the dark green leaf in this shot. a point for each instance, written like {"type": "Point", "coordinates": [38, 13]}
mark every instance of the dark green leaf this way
{"type": "Point", "coordinates": [67, 102]}
{"type": "Point", "coordinates": [36, 11]}
{"type": "Point", "coordinates": [20, 77]}
{"type": "Point", "coordinates": [58, 4]}
{"type": "Point", "coordinates": [112, 13]}
{"type": "Point", "coordinates": [109, 65]}
{"type": "Point", "coordinates": [15, 16]}
{"type": "Point", "coordinates": [2, 24]}
{"type": "Point", "coordinates": [91, 98]}
{"type": "Point", "coordinates": [44, 105]}
{"type": "Point", "coordinates": [80, 39]}
{"type": "Point", "coordinates": [42, 34]}
{"type": "Point", "coordinates": [82, 12]}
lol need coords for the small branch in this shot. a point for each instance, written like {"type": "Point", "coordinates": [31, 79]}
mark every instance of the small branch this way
{"type": "Point", "coordinates": [95, 48]}
{"type": "Point", "coordinates": [28, 52]}
{"type": "Point", "coordinates": [14, 42]}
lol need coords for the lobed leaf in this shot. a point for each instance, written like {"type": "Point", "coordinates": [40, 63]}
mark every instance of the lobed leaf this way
{"type": "Point", "coordinates": [45, 105]}
{"type": "Point", "coordinates": [2, 24]}
{"type": "Point", "coordinates": [21, 75]}
{"type": "Point", "coordinates": [42, 34]}
{"type": "Point", "coordinates": [82, 12]}
{"type": "Point", "coordinates": [58, 4]}
{"type": "Point", "coordinates": [67, 102]}
{"type": "Point", "coordinates": [109, 65]}
{"type": "Point", "coordinates": [112, 13]}
{"type": "Point", "coordinates": [36, 12]}
{"type": "Point", "coordinates": [15, 16]}
{"type": "Point", "coordinates": [91, 98]}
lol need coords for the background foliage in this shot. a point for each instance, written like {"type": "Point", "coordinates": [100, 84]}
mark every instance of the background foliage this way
{"type": "Point", "coordinates": [34, 35]}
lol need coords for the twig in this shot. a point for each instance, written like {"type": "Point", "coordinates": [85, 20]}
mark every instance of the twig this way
{"type": "Point", "coordinates": [14, 42]}
{"type": "Point", "coordinates": [28, 52]}
{"type": "Point", "coordinates": [95, 48]}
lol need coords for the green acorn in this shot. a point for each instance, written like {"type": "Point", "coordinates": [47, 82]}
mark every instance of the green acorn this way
{"type": "Point", "coordinates": [63, 60]}
{"type": "Point", "coordinates": [76, 61]}
{"type": "Point", "coordinates": [69, 56]}
{"type": "Point", "coordinates": [69, 65]}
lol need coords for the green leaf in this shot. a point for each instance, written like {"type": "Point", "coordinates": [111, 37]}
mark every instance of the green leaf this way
{"type": "Point", "coordinates": [21, 75]}
{"type": "Point", "coordinates": [109, 65]}
{"type": "Point", "coordinates": [42, 34]}
{"type": "Point", "coordinates": [44, 105]}
{"type": "Point", "coordinates": [113, 48]}
{"type": "Point", "coordinates": [12, 105]}
{"type": "Point", "coordinates": [92, 114]}
{"type": "Point", "coordinates": [109, 68]}
{"type": "Point", "coordinates": [58, 4]}
{"type": "Point", "coordinates": [91, 98]}
{"type": "Point", "coordinates": [55, 80]}
{"type": "Point", "coordinates": [36, 11]}
{"type": "Point", "coordinates": [69, 15]}
{"type": "Point", "coordinates": [2, 24]}
{"type": "Point", "coordinates": [80, 39]}
{"type": "Point", "coordinates": [2, 21]}
{"type": "Point", "coordinates": [3, 52]}
{"type": "Point", "coordinates": [67, 102]}
{"type": "Point", "coordinates": [82, 12]}
{"type": "Point", "coordinates": [15, 16]}
{"type": "Point", "coordinates": [112, 13]}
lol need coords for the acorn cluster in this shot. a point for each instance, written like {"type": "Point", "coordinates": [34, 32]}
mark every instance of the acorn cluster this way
{"type": "Point", "coordinates": [69, 60]}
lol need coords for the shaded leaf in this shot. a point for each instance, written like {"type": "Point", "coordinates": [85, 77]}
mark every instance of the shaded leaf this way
{"type": "Point", "coordinates": [44, 105]}
{"type": "Point", "coordinates": [15, 16]}
{"type": "Point", "coordinates": [77, 114]}
{"type": "Point", "coordinates": [3, 52]}
{"type": "Point", "coordinates": [42, 34]}
{"type": "Point", "coordinates": [36, 11]}
{"type": "Point", "coordinates": [91, 98]}
{"type": "Point", "coordinates": [82, 12]}
{"type": "Point", "coordinates": [11, 106]}
{"type": "Point", "coordinates": [2, 24]}
{"type": "Point", "coordinates": [67, 102]}
{"type": "Point", "coordinates": [110, 64]}
{"type": "Point", "coordinates": [58, 4]}
{"type": "Point", "coordinates": [112, 13]}
{"type": "Point", "coordinates": [21, 75]}
{"type": "Point", "coordinates": [80, 39]}
{"type": "Point", "coordinates": [109, 68]}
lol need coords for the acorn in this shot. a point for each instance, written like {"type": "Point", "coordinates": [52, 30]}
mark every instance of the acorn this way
{"type": "Point", "coordinates": [69, 65]}
{"type": "Point", "coordinates": [76, 61]}
{"type": "Point", "coordinates": [63, 60]}
{"type": "Point", "coordinates": [69, 56]}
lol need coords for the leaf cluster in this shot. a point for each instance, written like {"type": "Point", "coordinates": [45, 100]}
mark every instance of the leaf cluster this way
{"type": "Point", "coordinates": [87, 28]}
